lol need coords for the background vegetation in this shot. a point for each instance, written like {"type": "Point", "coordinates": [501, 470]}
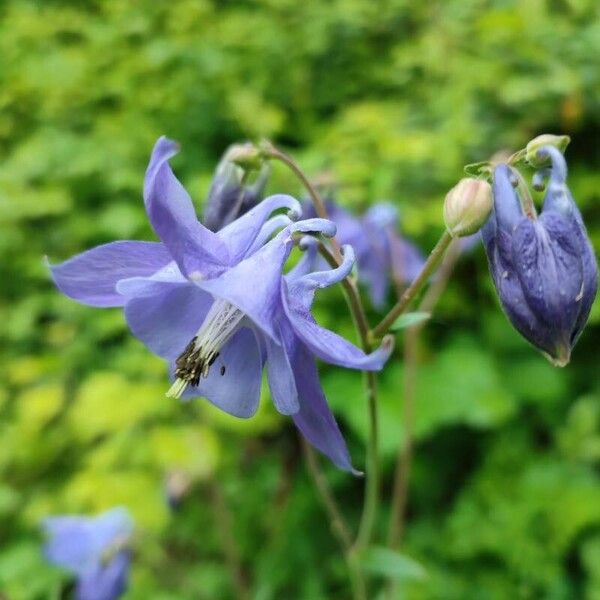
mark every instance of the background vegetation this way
{"type": "Point", "coordinates": [393, 97]}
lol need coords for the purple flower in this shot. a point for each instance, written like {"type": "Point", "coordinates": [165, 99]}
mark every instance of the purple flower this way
{"type": "Point", "coordinates": [94, 549]}
{"type": "Point", "coordinates": [380, 252]}
{"type": "Point", "coordinates": [218, 308]}
{"type": "Point", "coordinates": [230, 196]}
{"type": "Point", "coordinates": [544, 269]}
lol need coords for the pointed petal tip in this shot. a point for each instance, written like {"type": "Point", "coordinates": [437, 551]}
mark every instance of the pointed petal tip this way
{"type": "Point", "coordinates": [562, 358]}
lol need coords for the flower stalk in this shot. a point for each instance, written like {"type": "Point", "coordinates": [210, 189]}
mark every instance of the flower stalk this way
{"type": "Point", "coordinates": [407, 297]}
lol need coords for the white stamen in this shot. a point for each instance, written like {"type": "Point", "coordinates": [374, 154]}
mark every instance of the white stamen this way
{"type": "Point", "coordinates": [219, 326]}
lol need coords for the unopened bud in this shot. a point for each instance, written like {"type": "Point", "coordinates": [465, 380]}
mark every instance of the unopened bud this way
{"type": "Point", "coordinates": [467, 206]}
{"type": "Point", "coordinates": [547, 139]}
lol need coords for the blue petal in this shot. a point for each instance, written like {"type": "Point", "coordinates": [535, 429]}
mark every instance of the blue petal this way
{"type": "Point", "coordinates": [407, 259]}
{"type": "Point", "coordinates": [280, 374]}
{"type": "Point", "coordinates": [507, 207]}
{"type": "Point", "coordinates": [77, 543]}
{"type": "Point", "coordinates": [168, 317]}
{"type": "Point", "coordinates": [240, 235]}
{"type": "Point", "coordinates": [91, 277]}
{"type": "Point", "coordinates": [105, 582]}
{"type": "Point", "coordinates": [331, 347]}
{"type": "Point", "coordinates": [195, 248]}
{"type": "Point", "coordinates": [314, 419]}
{"type": "Point", "coordinates": [302, 286]}
{"type": "Point", "coordinates": [254, 284]}
{"type": "Point", "coordinates": [233, 382]}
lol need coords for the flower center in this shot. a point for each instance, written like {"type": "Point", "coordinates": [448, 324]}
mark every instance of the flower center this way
{"type": "Point", "coordinates": [221, 322]}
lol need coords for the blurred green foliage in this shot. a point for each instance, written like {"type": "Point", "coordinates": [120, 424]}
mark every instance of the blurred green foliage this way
{"type": "Point", "coordinates": [393, 98]}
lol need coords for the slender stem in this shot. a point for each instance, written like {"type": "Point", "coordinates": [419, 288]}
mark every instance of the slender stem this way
{"type": "Point", "coordinates": [353, 298]}
{"type": "Point", "coordinates": [270, 151]}
{"type": "Point", "coordinates": [334, 258]}
{"type": "Point", "coordinates": [428, 268]}
{"type": "Point", "coordinates": [371, 504]}
{"type": "Point", "coordinates": [338, 524]}
{"type": "Point", "coordinates": [230, 547]}
{"type": "Point", "coordinates": [339, 527]}
{"type": "Point", "coordinates": [411, 343]}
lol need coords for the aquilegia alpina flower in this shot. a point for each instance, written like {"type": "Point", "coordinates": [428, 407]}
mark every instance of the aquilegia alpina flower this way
{"type": "Point", "coordinates": [217, 307]}
{"type": "Point", "coordinates": [381, 253]}
{"type": "Point", "coordinates": [94, 549]}
{"type": "Point", "coordinates": [230, 196]}
{"type": "Point", "coordinates": [544, 268]}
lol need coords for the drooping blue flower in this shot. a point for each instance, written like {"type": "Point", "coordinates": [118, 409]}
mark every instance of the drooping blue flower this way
{"type": "Point", "coordinates": [218, 308]}
{"type": "Point", "coordinates": [544, 268]}
{"type": "Point", "coordinates": [381, 254]}
{"type": "Point", "coordinates": [94, 549]}
{"type": "Point", "coordinates": [230, 196]}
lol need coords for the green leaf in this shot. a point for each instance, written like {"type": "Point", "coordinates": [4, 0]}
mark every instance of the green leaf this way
{"type": "Point", "coordinates": [389, 563]}
{"type": "Point", "coordinates": [410, 319]}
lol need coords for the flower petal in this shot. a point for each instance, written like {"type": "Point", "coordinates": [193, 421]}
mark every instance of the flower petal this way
{"type": "Point", "coordinates": [507, 206]}
{"type": "Point", "coordinates": [195, 248]}
{"type": "Point", "coordinates": [233, 382]}
{"type": "Point", "coordinates": [279, 371]}
{"type": "Point", "coordinates": [91, 277]}
{"type": "Point", "coordinates": [334, 349]}
{"type": "Point", "coordinates": [302, 285]}
{"type": "Point", "coordinates": [77, 543]}
{"type": "Point", "coordinates": [168, 318]}
{"type": "Point", "coordinates": [105, 582]}
{"type": "Point", "coordinates": [239, 235]}
{"type": "Point", "coordinates": [314, 419]}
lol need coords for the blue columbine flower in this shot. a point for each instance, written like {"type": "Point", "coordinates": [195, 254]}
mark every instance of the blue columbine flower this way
{"type": "Point", "coordinates": [218, 308]}
{"type": "Point", "coordinates": [95, 549]}
{"type": "Point", "coordinates": [381, 253]}
{"type": "Point", "coordinates": [230, 196]}
{"type": "Point", "coordinates": [544, 269]}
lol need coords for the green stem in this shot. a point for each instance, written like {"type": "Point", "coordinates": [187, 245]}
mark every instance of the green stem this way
{"type": "Point", "coordinates": [407, 297]}
{"type": "Point", "coordinates": [371, 503]}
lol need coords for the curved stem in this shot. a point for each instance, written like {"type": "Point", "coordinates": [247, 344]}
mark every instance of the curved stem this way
{"type": "Point", "coordinates": [407, 297]}
{"type": "Point", "coordinates": [270, 151]}
{"type": "Point", "coordinates": [334, 257]}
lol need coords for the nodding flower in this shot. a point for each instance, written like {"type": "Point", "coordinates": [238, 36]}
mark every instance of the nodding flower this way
{"type": "Point", "coordinates": [543, 267]}
{"type": "Point", "coordinates": [96, 550]}
{"type": "Point", "coordinates": [218, 307]}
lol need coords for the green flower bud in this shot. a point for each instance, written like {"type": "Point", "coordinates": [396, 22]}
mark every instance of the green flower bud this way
{"type": "Point", "coordinates": [547, 139]}
{"type": "Point", "coordinates": [467, 206]}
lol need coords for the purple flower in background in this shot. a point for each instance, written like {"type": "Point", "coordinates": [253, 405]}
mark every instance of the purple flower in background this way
{"type": "Point", "coordinates": [544, 268]}
{"type": "Point", "coordinates": [218, 308]}
{"type": "Point", "coordinates": [230, 196]}
{"type": "Point", "coordinates": [381, 253]}
{"type": "Point", "coordinates": [94, 549]}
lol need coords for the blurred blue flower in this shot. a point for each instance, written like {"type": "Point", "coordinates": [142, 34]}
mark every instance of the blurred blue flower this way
{"type": "Point", "coordinates": [94, 549]}
{"type": "Point", "coordinates": [544, 269]}
{"type": "Point", "coordinates": [230, 196]}
{"type": "Point", "coordinates": [381, 254]}
{"type": "Point", "coordinates": [218, 308]}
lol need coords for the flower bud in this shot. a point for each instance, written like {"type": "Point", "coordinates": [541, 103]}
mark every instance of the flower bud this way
{"type": "Point", "coordinates": [230, 196]}
{"type": "Point", "coordinates": [547, 139]}
{"type": "Point", "coordinates": [467, 206]}
{"type": "Point", "coordinates": [544, 268]}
